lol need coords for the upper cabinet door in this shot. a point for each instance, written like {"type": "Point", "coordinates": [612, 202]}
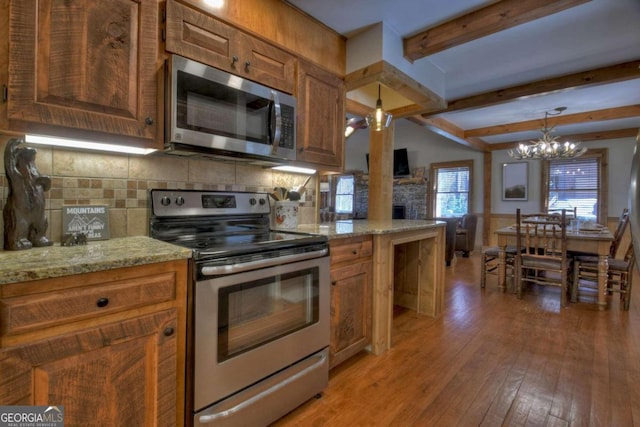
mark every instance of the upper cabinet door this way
{"type": "Point", "coordinates": [321, 116]}
{"type": "Point", "coordinates": [86, 64]}
{"type": "Point", "coordinates": [198, 36]}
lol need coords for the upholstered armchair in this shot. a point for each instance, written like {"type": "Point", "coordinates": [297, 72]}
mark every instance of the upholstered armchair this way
{"type": "Point", "coordinates": [466, 234]}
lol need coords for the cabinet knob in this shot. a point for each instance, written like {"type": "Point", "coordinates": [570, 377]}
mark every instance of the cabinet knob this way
{"type": "Point", "coordinates": [247, 64]}
{"type": "Point", "coordinates": [354, 252]}
{"type": "Point", "coordinates": [334, 282]}
{"type": "Point", "coordinates": [102, 302]}
{"type": "Point", "coordinates": [168, 331]}
{"type": "Point", "coordinates": [148, 121]}
{"type": "Point", "coordinates": [234, 59]}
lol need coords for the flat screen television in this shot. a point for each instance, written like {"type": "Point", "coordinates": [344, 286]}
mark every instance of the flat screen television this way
{"type": "Point", "coordinates": [400, 162]}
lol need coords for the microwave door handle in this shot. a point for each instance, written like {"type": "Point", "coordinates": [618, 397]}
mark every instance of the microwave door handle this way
{"type": "Point", "coordinates": [275, 121]}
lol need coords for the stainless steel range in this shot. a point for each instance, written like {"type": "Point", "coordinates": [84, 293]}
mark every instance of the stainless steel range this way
{"type": "Point", "coordinates": [259, 305]}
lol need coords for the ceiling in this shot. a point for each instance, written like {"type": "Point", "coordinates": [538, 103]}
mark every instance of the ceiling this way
{"type": "Point", "coordinates": [500, 82]}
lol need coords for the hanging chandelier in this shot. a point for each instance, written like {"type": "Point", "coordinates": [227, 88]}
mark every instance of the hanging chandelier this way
{"type": "Point", "coordinates": [547, 147]}
{"type": "Point", "coordinates": [379, 119]}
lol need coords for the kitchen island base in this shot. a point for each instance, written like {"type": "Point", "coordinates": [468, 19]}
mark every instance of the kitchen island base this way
{"type": "Point", "coordinates": [408, 267]}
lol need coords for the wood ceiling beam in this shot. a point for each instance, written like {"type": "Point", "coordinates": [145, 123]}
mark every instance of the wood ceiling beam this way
{"type": "Point", "coordinates": [384, 73]}
{"type": "Point", "coordinates": [589, 116]}
{"type": "Point", "coordinates": [479, 23]}
{"type": "Point", "coordinates": [449, 130]}
{"type": "Point", "coordinates": [357, 108]}
{"type": "Point", "coordinates": [605, 75]}
{"type": "Point", "coordinates": [590, 136]}
{"type": "Point", "coordinates": [361, 110]}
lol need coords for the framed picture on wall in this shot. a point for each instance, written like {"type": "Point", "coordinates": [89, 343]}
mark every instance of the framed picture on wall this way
{"type": "Point", "coordinates": [515, 185]}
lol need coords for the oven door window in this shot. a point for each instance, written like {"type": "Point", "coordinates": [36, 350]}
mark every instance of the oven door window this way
{"type": "Point", "coordinates": [255, 313]}
{"type": "Point", "coordinates": [210, 107]}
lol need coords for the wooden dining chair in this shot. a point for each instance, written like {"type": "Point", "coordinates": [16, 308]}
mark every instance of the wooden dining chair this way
{"type": "Point", "coordinates": [545, 261]}
{"type": "Point", "coordinates": [619, 277]}
{"type": "Point", "coordinates": [621, 228]}
{"type": "Point", "coordinates": [585, 267]}
{"type": "Point", "coordinates": [570, 213]}
{"type": "Point", "coordinates": [490, 264]}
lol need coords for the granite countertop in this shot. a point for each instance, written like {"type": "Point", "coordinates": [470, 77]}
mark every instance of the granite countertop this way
{"type": "Point", "coordinates": [57, 260]}
{"type": "Point", "coordinates": [361, 227]}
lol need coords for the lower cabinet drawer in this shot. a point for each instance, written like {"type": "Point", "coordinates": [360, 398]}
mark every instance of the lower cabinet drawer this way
{"type": "Point", "coordinates": [26, 313]}
{"type": "Point", "coordinates": [348, 250]}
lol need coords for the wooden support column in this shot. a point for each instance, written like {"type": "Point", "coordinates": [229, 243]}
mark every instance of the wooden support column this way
{"type": "Point", "coordinates": [381, 174]}
{"type": "Point", "coordinates": [486, 214]}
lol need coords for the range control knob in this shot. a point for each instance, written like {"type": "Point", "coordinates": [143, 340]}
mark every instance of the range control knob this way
{"type": "Point", "coordinates": [252, 201]}
{"type": "Point", "coordinates": [165, 201]}
{"type": "Point", "coordinates": [262, 201]}
{"type": "Point", "coordinates": [179, 200]}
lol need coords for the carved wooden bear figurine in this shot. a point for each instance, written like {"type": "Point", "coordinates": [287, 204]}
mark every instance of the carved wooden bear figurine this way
{"type": "Point", "coordinates": [25, 223]}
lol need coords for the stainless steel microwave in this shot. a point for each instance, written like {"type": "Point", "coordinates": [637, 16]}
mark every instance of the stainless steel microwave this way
{"type": "Point", "coordinates": [212, 112]}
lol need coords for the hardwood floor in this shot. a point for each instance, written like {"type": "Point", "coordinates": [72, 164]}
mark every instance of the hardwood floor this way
{"type": "Point", "coordinates": [492, 360]}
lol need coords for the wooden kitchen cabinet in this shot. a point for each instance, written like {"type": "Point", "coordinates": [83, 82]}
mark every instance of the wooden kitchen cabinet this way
{"type": "Point", "coordinates": [201, 37]}
{"type": "Point", "coordinates": [320, 94]}
{"type": "Point", "coordinates": [109, 346]}
{"type": "Point", "coordinates": [84, 68]}
{"type": "Point", "coordinates": [351, 298]}
{"type": "Point", "coordinates": [321, 116]}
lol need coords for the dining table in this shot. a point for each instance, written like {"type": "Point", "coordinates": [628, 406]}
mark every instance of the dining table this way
{"type": "Point", "coordinates": [593, 240]}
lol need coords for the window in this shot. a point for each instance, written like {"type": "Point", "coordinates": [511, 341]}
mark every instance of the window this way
{"type": "Point", "coordinates": [451, 188]}
{"type": "Point", "coordinates": [577, 183]}
{"type": "Point", "coordinates": [344, 194]}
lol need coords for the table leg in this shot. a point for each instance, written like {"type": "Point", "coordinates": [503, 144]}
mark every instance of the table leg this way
{"type": "Point", "coordinates": [603, 267]}
{"type": "Point", "coordinates": [502, 268]}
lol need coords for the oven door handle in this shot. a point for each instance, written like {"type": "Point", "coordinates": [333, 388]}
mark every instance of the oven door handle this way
{"type": "Point", "coordinates": [210, 418]}
{"type": "Point", "coordinates": [220, 270]}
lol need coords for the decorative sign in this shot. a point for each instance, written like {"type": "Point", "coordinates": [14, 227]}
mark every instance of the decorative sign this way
{"type": "Point", "coordinates": [90, 220]}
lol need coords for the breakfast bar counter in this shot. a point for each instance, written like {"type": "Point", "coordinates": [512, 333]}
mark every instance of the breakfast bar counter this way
{"type": "Point", "coordinates": [362, 227]}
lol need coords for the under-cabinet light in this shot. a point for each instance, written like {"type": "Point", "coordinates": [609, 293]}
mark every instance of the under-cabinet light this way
{"type": "Point", "coordinates": [295, 169]}
{"type": "Point", "coordinates": [89, 145]}
{"type": "Point", "coordinates": [215, 3]}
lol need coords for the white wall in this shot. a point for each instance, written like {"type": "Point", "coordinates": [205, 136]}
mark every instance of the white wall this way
{"type": "Point", "coordinates": [424, 147]}
{"type": "Point", "coordinates": [619, 170]}
{"type": "Point", "coordinates": [380, 42]}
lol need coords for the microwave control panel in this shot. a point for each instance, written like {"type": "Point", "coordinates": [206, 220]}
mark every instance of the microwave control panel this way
{"type": "Point", "coordinates": [288, 131]}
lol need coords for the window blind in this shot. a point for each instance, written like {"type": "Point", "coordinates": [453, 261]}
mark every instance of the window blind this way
{"type": "Point", "coordinates": [575, 183]}
{"type": "Point", "coordinates": [452, 191]}
{"type": "Point", "coordinates": [344, 194]}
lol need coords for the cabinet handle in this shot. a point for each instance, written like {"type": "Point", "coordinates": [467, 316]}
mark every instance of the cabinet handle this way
{"type": "Point", "coordinates": [247, 64]}
{"type": "Point", "coordinates": [102, 302]}
{"type": "Point", "coordinates": [354, 252]}
{"type": "Point", "coordinates": [234, 59]}
{"type": "Point", "coordinates": [148, 121]}
{"type": "Point", "coordinates": [168, 331]}
{"type": "Point", "coordinates": [334, 282]}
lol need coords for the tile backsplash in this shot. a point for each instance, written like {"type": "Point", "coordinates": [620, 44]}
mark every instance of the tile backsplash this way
{"type": "Point", "coordinates": [122, 183]}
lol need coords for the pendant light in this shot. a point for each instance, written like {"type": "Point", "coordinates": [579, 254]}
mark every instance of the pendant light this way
{"type": "Point", "coordinates": [380, 119]}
